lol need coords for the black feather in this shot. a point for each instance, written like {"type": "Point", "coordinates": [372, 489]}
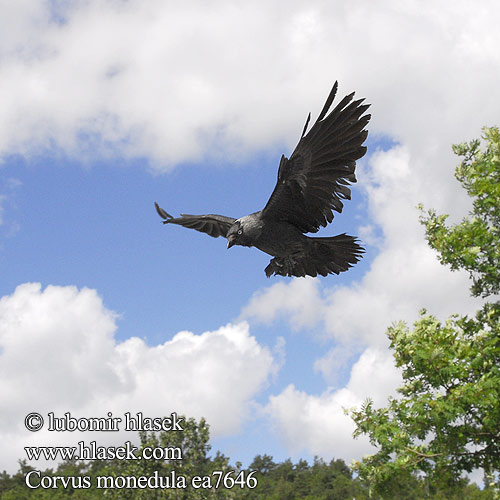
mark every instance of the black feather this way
{"type": "Point", "coordinates": [311, 186]}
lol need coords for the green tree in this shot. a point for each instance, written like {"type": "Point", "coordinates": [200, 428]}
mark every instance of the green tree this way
{"type": "Point", "coordinates": [276, 481]}
{"type": "Point", "coordinates": [193, 441]}
{"type": "Point", "coordinates": [447, 419]}
{"type": "Point", "coordinates": [474, 244]}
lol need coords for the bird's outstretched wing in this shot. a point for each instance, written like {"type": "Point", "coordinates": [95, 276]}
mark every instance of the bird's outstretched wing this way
{"type": "Point", "coordinates": [313, 182]}
{"type": "Point", "coordinates": [213, 225]}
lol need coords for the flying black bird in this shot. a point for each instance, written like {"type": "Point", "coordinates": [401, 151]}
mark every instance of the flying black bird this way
{"type": "Point", "coordinates": [311, 184]}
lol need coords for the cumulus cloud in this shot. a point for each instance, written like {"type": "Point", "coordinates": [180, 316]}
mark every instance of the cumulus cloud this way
{"type": "Point", "coordinates": [318, 424]}
{"type": "Point", "coordinates": [185, 81]}
{"type": "Point", "coordinates": [405, 274]}
{"type": "Point", "coordinates": [58, 353]}
{"type": "Point", "coordinates": [298, 301]}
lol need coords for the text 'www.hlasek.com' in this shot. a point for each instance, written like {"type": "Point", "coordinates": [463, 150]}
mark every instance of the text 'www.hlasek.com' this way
{"type": "Point", "coordinates": [171, 477]}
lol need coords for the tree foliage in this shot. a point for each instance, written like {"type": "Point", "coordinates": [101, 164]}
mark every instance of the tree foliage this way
{"type": "Point", "coordinates": [275, 481]}
{"type": "Point", "coordinates": [474, 244]}
{"type": "Point", "coordinates": [447, 419]}
{"type": "Point", "coordinates": [194, 443]}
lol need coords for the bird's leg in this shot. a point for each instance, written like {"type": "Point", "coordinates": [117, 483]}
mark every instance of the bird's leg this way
{"type": "Point", "coordinates": [273, 267]}
{"type": "Point", "coordinates": [276, 266]}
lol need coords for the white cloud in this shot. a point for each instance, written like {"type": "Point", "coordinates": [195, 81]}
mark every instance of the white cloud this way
{"type": "Point", "coordinates": [183, 81]}
{"type": "Point", "coordinates": [404, 276]}
{"type": "Point", "coordinates": [298, 301]}
{"type": "Point", "coordinates": [319, 425]}
{"type": "Point", "coordinates": [58, 353]}
{"type": "Point", "coordinates": [335, 363]}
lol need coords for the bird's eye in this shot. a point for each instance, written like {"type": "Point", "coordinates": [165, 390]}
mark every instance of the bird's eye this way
{"type": "Point", "coordinates": [240, 231]}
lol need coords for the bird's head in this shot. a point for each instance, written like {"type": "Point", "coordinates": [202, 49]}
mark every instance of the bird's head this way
{"type": "Point", "coordinates": [245, 231]}
{"type": "Point", "coordinates": [235, 234]}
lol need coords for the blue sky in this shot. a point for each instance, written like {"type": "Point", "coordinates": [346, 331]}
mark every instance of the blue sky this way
{"type": "Point", "coordinates": [120, 104]}
{"type": "Point", "coordinates": [96, 226]}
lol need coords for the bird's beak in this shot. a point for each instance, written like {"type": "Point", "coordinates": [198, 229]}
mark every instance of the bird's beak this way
{"type": "Point", "coordinates": [231, 240]}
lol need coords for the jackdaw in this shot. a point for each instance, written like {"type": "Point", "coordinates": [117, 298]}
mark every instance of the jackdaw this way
{"type": "Point", "coordinates": [311, 184]}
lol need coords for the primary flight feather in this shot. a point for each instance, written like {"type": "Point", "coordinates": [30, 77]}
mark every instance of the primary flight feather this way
{"type": "Point", "coordinates": [311, 185]}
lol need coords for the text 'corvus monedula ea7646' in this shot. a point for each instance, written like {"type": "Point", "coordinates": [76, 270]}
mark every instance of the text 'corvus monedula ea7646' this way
{"type": "Point", "coordinates": [311, 184]}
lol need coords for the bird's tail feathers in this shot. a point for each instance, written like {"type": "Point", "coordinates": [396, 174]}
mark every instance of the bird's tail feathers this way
{"type": "Point", "coordinates": [331, 255]}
